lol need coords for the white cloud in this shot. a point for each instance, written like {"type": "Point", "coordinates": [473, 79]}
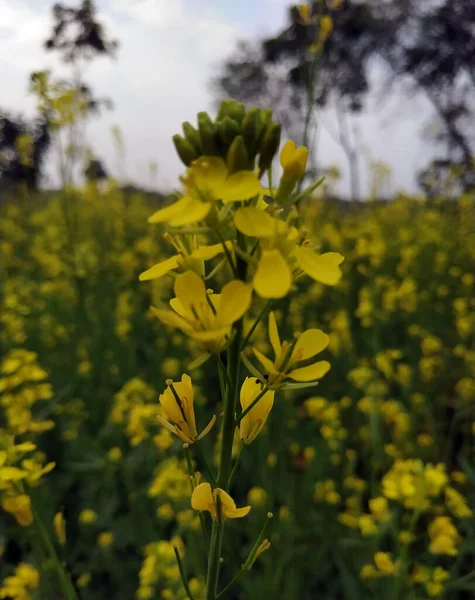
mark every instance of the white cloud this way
{"type": "Point", "coordinates": [168, 50]}
{"type": "Point", "coordinates": [152, 13]}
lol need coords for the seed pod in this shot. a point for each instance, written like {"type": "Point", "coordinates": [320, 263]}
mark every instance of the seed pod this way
{"type": "Point", "coordinates": [238, 156]}
{"type": "Point", "coordinates": [185, 150]}
{"type": "Point", "coordinates": [192, 136]}
{"type": "Point", "coordinates": [269, 145]}
{"type": "Point", "coordinates": [207, 131]}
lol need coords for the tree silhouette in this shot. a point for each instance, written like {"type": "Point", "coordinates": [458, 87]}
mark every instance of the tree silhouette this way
{"type": "Point", "coordinates": [17, 166]}
{"type": "Point", "coordinates": [78, 35]}
{"type": "Point", "coordinates": [423, 46]}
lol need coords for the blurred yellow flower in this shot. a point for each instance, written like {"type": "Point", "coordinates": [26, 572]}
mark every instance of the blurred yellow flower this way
{"type": "Point", "coordinates": [20, 507]}
{"type": "Point", "coordinates": [18, 586]}
{"type": "Point", "coordinates": [105, 539]}
{"type": "Point", "coordinates": [60, 527]}
{"type": "Point", "coordinates": [443, 536]}
{"type": "Point", "coordinates": [87, 516]}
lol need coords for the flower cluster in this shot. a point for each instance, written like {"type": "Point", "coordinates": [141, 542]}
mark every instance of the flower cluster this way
{"type": "Point", "coordinates": [224, 213]}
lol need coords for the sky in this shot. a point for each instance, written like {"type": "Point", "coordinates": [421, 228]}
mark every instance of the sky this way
{"type": "Point", "coordinates": [169, 51]}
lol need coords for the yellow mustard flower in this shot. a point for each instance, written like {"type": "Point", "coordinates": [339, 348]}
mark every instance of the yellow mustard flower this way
{"type": "Point", "coordinates": [206, 181]}
{"type": "Point", "coordinates": [192, 260]}
{"type": "Point", "coordinates": [60, 527]}
{"type": "Point", "coordinates": [385, 563]}
{"type": "Point", "coordinates": [20, 507]}
{"type": "Point", "coordinates": [252, 423]}
{"type": "Point", "coordinates": [456, 503]}
{"type": "Point", "coordinates": [293, 160]}
{"type": "Point", "coordinates": [105, 539]}
{"type": "Point", "coordinates": [288, 354]}
{"type": "Point", "coordinates": [205, 498]}
{"type": "Point", "coordinates": [177, 402]}
{"type": "Point", "coordinates": [305, 13]}
{"type": "Point", "coordinates": [206, 318]}
{"type": "Point", "coordinates": [18, 586]}
{"type": "Point", "coordinates": [87, 516]}
{"type": "Point", "coordinates": [283, 256]}
{"type": "Point", "coordinates": [443, 536]}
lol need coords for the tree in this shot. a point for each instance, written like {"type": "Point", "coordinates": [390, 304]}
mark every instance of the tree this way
{"type": "Point", "coordinates": [23, 147]}
{"type": "Point", "coordinates": [424, 46]}
{"type": "Point", "coordinates": [78, 35]}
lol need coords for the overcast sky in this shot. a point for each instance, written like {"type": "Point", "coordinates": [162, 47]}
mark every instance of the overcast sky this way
{"type": "Point", "coordinates": [169, 50]}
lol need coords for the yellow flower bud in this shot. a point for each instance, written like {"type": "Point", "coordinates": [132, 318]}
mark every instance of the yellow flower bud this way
{"type": "Point", "coordinates": [252, 423]}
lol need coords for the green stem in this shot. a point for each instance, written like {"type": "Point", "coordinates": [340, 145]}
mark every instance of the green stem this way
{"type": "Point", "coordinates": [63, 576]}
{"type": "Point", "coordinates": [250, 559]}
{"type": "Point", "coordinates": [255, 324]}
{"type": "Point", "coordinates": [227, 437]}
{"type": "Point", "coordinates": [184, 580]}
{"type": "Point", "coordinates": [235, 466]}
{"type": "Point", "coordinates": [204, 462]}
{"type": "Point", "coordinates": [401, 578]}
{"type": "Point", "coordinates": [191, 470]}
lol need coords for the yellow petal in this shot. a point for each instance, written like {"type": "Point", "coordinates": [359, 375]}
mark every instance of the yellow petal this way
{"type": "Point", "coordinates": [309, 343]}
{"type": "Point", "coordinates": [20, 507]}
{"type": "Point", "coordinates": [287, 153]}
{"type": "Point", "coordinates": [265, 362]}
{"type": "Point", "coordinates": [227, 503]}
{"type": "Point", "coordinates": [209, 252]}
{"type": "Point", "coordinates": [196, 211]}
{"type": "Point", "coordinates": [253, 222]}
{"type": "Point", "coordinates": [208, 173]}
{"type": "Point", "coordinates": [240, 186]}
{"type": "Point", "coordinates": [168, 317]}
{"type": "Point", "coordinates": [234, 301]}
{"type": "Point", "coordinates": [210, 335]}
{"type": "Point", "coordinates": [237, 513]}
{"type": "Point", "coordinates": [202, 497]}
{"type": "Point", "coordinates": [160, 269]}
{"type": "Point", "coordinates": [190, 291]}
{"type": "Point", "coordinates": [170, 406]}
{"type": "Point", "coordinates": [320, 267]}
{"type": "Point", "coordinates": [273, 277]}
{"type": "Point", "coordinates": [11, 474]}
{"type": "Point", "coordinates": [228, 506]}
{"type": "Point", "coordinates": [312, 372]}
{"type": "Point", "coordinates": [274, 335]}
{"type": "Point", "coordinates": [252, 423]}
{"type": "Point", "coordinates": [163, 215]}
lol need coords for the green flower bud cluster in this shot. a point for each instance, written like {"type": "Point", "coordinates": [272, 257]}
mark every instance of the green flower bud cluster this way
{"type": "Point", "coordinates": [241, 137]}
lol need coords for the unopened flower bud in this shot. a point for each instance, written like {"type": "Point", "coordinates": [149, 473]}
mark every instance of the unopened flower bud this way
{"type": "Point", "coordinates": [207, 131]}
{"type": "Point", "coordinates": [192, 136]}
{"type": "Point", "coordinates": [238, 157]}
{"type": "Point", "coordinates": [269, 145]}
{"type": "Point", "coordinates": [236, 111]}
{"type": "Point", "coordinates": [228, 129]}
{"type": "Point", "coordinates": [185, 150]}
{"type": "Point", "coordinates": [250, 128]}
